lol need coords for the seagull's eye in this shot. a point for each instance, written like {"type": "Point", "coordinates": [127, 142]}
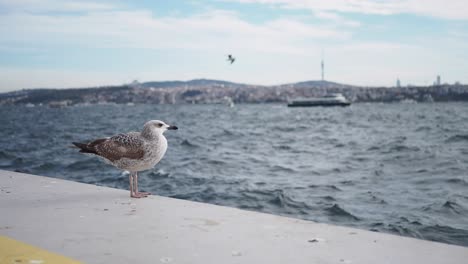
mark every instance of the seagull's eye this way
{"type": "Point", "coordinates": [159, 125]}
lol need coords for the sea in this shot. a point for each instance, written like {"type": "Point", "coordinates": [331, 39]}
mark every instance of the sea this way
{"type": "Point", "coordinates": [399, 168]}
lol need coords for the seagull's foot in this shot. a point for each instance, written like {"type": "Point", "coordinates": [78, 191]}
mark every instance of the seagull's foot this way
{"type": "Point", "coordinates": [145, 193]}
{"type": "Point", "coordinates": [138, 195]}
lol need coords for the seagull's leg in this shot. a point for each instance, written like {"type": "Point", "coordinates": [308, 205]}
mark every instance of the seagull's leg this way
{"type": "Point", "coordinates": [144, 194]}
{"type": "Point", "coordinates": [130, 179]}
{"type": "Point", "coordinates": [133, 188]}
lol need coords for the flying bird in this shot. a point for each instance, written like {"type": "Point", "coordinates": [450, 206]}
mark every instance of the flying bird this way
{"type": "Point", "coordinates": [231, 58]}
{"type": "Point", "coordinates": [132, 152]}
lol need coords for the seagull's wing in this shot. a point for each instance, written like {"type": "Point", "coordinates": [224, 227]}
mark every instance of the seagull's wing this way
{"type": "Point", "coordinates": [128, 146]}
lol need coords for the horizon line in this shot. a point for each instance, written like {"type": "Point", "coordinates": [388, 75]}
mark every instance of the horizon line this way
{"type": "Point", "coordinates": [241, 83]}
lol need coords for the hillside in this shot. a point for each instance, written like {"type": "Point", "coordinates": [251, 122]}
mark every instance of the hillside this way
{"type": "Point", "coordinates": [216, 91]}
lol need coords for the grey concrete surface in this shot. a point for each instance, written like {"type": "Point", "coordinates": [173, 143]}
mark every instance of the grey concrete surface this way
{"type": "Point", "coordinates": [102, 225]}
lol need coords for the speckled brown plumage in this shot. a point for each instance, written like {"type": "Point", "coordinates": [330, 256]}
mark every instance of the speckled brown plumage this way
{"type": "Point", "coordinates": [128, 146]}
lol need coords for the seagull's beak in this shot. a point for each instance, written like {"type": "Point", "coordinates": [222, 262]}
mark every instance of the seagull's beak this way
{"type": "Point", "coordinates": [172, 128]}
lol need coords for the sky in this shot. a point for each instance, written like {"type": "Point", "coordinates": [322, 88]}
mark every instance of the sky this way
{"type": "Point", "coordinates": [88, 43]}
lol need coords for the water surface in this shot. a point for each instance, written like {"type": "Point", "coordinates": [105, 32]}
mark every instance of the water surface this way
{"type": "Point", "coordinates": [395, 168]}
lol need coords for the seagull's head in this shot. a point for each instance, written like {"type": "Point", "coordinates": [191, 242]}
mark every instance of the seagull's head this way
{"type": "Point", "coordinates": [157, 126]}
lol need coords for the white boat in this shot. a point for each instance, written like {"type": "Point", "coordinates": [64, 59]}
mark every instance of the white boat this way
{"type": "Point", "coordinates": [335, 99]}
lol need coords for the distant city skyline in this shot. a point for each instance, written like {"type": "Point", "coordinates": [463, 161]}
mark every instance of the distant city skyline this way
{"type": "Point", "coordinates": [86, 43]}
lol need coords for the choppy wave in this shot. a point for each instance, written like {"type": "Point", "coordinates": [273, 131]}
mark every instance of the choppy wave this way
{"type": "Point", "coordinates": [442, 233]}
{"type": "Point", "coordinates": [457, 138]}
{"type": "Point", "coordinates": [326, 187]}
{"type": "Point", "coordinates": [457, 181]}
{"type": "Point", "coordinates": [452, 207]}
{"type": "Point", "coordinates": [187, 143]}
{"type": "Point", "coordinates": [337, 212]}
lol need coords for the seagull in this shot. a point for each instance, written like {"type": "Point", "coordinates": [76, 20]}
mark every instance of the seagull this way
{"type": "Point", "coordinates": [132, 152]}
{"type": "Point", "coordinates": [231, 58]}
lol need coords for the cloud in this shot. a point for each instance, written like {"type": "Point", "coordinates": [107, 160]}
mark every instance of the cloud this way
{"type": "Point", "coordinates": [141, 29]}
{"type": "Point", "coordinates": [37, 6]}
{"type": "Point", "coordinates": [14, 78]}
{"type": "Point", "coordinates": [334, 17]}
{"type": "Point", "coordinates": [454, 9]}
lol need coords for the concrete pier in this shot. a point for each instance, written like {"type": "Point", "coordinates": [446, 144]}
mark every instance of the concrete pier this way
{"type": "Point", "coordinates": [93, 224]}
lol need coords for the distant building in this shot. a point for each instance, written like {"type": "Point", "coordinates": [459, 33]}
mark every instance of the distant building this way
{"type": "Point", "coordinates": [323, 69]}
{"type": "Point", "coordinates": [438, 80]}
{"type": "Point", "coordinates": [135, 84]}
{"type": "Point", "coordinates": [398, 83]}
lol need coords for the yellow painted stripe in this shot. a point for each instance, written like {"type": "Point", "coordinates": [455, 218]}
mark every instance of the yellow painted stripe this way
{"type": "Point", "coordinates": [16, 252]}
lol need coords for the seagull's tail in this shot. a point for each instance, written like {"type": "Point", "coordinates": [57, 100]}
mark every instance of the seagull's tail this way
{"type": "Point", "coordinates": [84, 148]}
